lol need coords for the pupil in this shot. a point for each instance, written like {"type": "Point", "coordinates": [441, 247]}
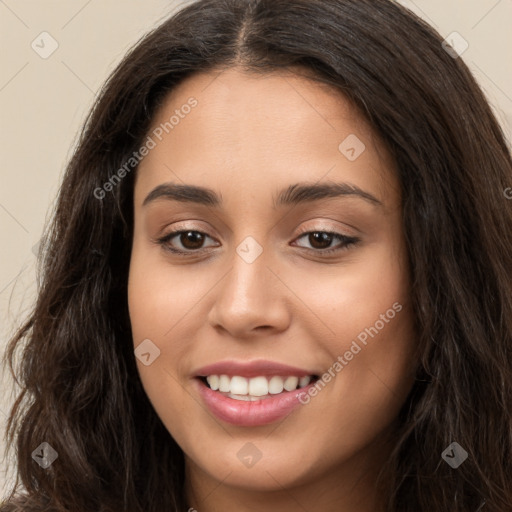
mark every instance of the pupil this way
{"type": "Point", "coordinates": [323, 238]}
{"type": "Point", "coordinates": [193, 239]}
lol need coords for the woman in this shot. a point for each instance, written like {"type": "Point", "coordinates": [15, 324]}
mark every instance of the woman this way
{"type": "Point", "coordinates": [277, 278]}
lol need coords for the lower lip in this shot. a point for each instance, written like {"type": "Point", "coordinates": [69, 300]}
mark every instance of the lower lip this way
{"type": "Point", "coordinates": [250, 414]}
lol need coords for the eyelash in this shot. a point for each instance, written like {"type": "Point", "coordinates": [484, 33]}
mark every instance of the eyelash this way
{"type": "Point", "coordinates": [346, 242]}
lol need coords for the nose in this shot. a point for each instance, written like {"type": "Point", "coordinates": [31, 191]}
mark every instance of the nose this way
{"type": "Point", "coordinates": [251, 300]}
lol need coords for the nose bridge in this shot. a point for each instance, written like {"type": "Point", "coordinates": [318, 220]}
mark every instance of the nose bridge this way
{"type": "Point", "coordinates": [249, 296]}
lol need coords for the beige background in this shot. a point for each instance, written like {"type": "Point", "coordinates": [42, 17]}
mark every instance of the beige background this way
{"type": "Point", "coordinates": [44, 101]}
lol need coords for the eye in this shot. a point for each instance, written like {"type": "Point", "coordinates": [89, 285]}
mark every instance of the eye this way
{"type": "Point", "coordinates": [189, 241]}
{"type": "Point", "coordinates": [321, 241]}
{"type": "Point", "coordinates": [185, 242]}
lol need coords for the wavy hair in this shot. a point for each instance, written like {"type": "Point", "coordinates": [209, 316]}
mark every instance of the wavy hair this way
{"type": "Point", "coordinates": [80, 389]}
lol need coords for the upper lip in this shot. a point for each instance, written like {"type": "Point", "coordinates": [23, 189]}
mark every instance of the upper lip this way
{"type": "Point", "coordinates": [250, 369]}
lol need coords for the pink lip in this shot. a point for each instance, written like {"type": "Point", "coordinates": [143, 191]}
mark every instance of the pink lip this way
{"type": "Point", "coordinates": [250, 369]}
{"type": "Point", "coordinates": [250, 414]}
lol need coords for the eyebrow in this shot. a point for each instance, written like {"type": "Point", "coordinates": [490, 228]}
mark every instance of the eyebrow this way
{"type": "Point", "coordinates": [292, 195]}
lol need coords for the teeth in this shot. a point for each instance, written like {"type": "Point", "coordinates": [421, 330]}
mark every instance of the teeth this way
{"type": "Point", "coordinates": [291, 383]}
{"type": "Point", "coordinates": [253, 389]}
{"type": "Point", "coordinates": [213, 381]}
{"type": "Point", "coordinates": [258, 386]}
{"type": "Point", "coordinates": [224, 383]}
{"type": "Point", "coordinates": [239, 386]}
{"type": "Point", "coordinates": [275, 385]}
{"type": "Point", "coordinates": [304, 381]}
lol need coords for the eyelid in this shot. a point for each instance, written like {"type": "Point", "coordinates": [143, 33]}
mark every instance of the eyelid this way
{"type": "Point", "coordinates": [347, 240]}
{"type": "Point", "coordinates": [176, 232]}
{"type": "Point", "coordinates": [324, 229]}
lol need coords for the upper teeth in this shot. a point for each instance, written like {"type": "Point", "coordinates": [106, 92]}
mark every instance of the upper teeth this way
{"type": "Point", "coordinates": [257, 386]}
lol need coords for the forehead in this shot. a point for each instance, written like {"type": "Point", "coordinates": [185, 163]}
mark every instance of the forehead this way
{"type": "Point", "coordinates": [246, 130]}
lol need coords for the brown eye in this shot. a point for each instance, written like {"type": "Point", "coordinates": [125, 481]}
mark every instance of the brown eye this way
{"type": "Point", "coordinates": [184, 241]}
{"type": "Point", "coordinates": [191, 239]}
{"type": "Point", "coordinates": [320, 241]}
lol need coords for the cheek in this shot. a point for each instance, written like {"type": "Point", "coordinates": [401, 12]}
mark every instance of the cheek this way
{"type": "Point", "coordinates": [351, 296]}
{"type": "Point", "coordinates": [158, 296]}
{"type": "Point", "coordinates": [157, 300]}
{"type": "Point", "coordinates": [162, 303]}
{"type": "Point", "coordinates": [367, 328]}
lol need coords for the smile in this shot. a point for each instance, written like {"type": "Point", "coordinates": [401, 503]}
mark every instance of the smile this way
{"type": "Point", "coordinates": [252, 393]}
{"type": "Point", "coordinates": [256, 388]}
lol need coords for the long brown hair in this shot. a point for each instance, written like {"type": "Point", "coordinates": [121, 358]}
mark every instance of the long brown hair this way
{"type": "Point", "coordinates": [81, 392]}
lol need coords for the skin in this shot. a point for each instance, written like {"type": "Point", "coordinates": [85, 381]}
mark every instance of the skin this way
{"type": "Point", "coordinates": [248, 137]}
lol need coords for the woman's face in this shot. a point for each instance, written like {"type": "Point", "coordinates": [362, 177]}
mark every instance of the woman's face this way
{"type": "Point", "coordinates": [261, 290]}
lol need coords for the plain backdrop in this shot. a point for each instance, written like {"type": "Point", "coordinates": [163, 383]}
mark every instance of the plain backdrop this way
{"type": "Point", "coordinates": [44, 100]}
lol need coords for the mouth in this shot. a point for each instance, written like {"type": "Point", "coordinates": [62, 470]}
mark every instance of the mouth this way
{"type": "Point", "coordinates": [253, 393]}
{"type": "Point", "coordinates": [256, 388]}
{"type": "Point", "coordinates": [253, 402]}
